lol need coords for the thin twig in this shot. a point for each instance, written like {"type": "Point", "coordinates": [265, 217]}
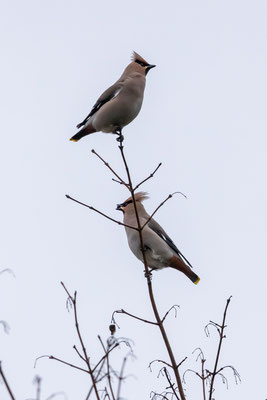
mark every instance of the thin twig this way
{"type": "Point", "coordinates": [121, 377]}
{"type": "Point", "coordinates": [158, 394]}
{"type": "Point", "coordinates": [61, 361]}
{"type": "Point", "coordinates": [79, 354]}
{"type": "Point", "coordinates": [159, 361]}
{"type": "Point", "coordinates": [120, 180]}
{"type": "Point", "coordinates": [222, 327]}
{"type": "Point", "coordinates": [73, 299]}
{"type": "Point", "coordinates": [108, 369]}
{"type": "Point", "coordinates": [105, 356]}
{"type": "Point", "coordinates": [5, 382]}
{"type": "Point", "coordinates": [96, 379]}
{"type": "Point", "coordinates": [170, 383]}
{"type": "Point", "coordinates": [38, 381]}
{"type": "Point", "coordinates": [174, 307]}
{"type": "Point", "coordinates": [149, 177]}
{"type": "Point", "coordinates": [133, 316]}
{"type": "Point", "coordinates": [99, 212]}
{"type": "Point", "coordinates": [161, 204]}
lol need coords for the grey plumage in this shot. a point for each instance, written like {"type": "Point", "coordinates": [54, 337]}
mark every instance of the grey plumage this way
{"type": "Point", "coordinates": [160, 250]}
{"type": "Point", "coordinates": [120, 103]}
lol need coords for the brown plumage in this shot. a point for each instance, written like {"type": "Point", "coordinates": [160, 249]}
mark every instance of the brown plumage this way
{"type": "Point", "coordinates": [180, 265]}
{"type": "Point", "coordinates": [160, 250]}
{"type": "Point", "coordinates": [120, 103]}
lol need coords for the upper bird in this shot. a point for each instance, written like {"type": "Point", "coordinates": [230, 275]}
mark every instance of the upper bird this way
{"type": "Point", "coordinates": [159, 249]}
{"type": "Point", "coordinates": [119, 104]}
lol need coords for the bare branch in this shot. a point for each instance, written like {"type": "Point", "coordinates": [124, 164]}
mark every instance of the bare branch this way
{"type": "Point", "coordinates": [73, 299]}
{"type": "Point", "coordinates": [61, 361]}
{"type": "Point", "coordinates": [174, 307]}
{"type": "Point", "coordinates": [68, 293]}
{"type": "Point", "coordinates": [149, 177]}
{"type": "Point", "coordinates": [121, 377]}
{"type": "Point", "coordinates": [120, 180]}
{"type": "Point", "coordinates": [222, 327]}
{"type": "Point", "coordinates": [108, 369]}
{"type": "Point", "coordinates": [155, 394]}
{"type": "Point", "coordinates": [37, 381]}
{"type": "Point", "coordinates": [159, 361]}
{"type": "Point", "coordinates": [170, 383]}
{"type": "Point", "coordinates": [99, 212]}
{"type": "Point", "coordinates": [5, 382]}
{"type": "Point", "coordinates": [106, 354]}
{"type": "Point", "coordinates": [191, 370]}
{"type": "Point", "coordinates": [133, 316]}
{"type": "Point", "coordinates": [181, 362]}
{"type": "Point", "coordinates": [236, 374]}
{"type": "Point", "coordinates": [79, 354]}
{"type": "Point", "coordinates": [161, 204]}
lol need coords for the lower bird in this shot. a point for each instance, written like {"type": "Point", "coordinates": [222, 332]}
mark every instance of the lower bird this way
{"type": "Point", "coordinates": [119, 104]}
{"type": "Point", "coordinates": [160, 251]}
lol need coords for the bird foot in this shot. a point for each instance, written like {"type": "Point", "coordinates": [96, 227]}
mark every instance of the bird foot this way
{"type": "Point", "coordinates": [120, 138]}
{"type": "Point", "coordinates": [148, 274]}
{"type": "Point", "coordinates": [118, 132]}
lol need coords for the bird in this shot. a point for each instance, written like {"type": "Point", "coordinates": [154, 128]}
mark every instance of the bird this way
{"type": "Point", "coordinates": [119, 104]}
{"type": "Point", "coordinates": [160, 251]}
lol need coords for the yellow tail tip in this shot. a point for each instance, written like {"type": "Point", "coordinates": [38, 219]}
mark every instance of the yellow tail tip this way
{"type": "Point", "coordinates": [73, 140]}
{"type": "Point", "coordinates": [198, 279]}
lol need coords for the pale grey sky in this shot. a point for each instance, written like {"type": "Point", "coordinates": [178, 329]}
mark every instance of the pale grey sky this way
{"type": "Point", "coordinates": [204, 117]}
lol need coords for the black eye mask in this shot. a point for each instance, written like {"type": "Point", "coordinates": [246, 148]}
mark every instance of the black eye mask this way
{"type": "Point", "coordinates": [126, 203]}
{"type": "Point", "coordinates": [143, 64]}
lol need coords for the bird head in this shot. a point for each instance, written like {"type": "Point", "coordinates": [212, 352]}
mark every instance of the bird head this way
{"type": "Point", "coordinates": [138, 65]}
{"type": "Point", "coordinates": [142, 63]}
{"type": "Point", "coordinates": [139, 197]}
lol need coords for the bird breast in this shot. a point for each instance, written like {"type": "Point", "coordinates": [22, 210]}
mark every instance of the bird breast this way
{"type": "Point", "coordinates": [123, 108]}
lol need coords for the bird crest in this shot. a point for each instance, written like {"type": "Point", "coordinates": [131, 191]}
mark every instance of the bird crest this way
{"type": "Point", "coordinates": [137, 57]}
{"type": "Point", "coordinates": [140, 196]}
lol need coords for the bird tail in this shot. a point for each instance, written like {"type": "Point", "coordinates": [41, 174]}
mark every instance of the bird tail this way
{"type": "Point", "coordinates": [83, 132]}
{"type": "Point", "coordinates": [178, 264]}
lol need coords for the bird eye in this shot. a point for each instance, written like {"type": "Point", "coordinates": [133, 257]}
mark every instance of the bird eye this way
{"type": "Point", "coordinates": [126, 203]}
{"type": "Point", "coordinates": [141, 63]}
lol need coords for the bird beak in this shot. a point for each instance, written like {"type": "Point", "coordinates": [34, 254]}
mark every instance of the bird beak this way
{"type": "Point", "coordinates": [150, 67]}
{"type": "Point", "coordinates": [119, 208]}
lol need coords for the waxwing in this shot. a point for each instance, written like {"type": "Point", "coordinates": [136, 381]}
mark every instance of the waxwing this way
{"type": "Point", "coordinates": [160, 250]}
{"type": "Point", "coordinates": [119, 104]}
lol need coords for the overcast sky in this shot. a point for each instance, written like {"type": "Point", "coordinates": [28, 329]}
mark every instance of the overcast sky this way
{"type": "Point", "coordinates": [203, 116]}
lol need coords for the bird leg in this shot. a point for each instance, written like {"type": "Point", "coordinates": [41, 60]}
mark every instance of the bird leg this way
{"type": "Point", "coordinates": [118, 132]}
{"type": "Point", "coordinates": [148, 274]}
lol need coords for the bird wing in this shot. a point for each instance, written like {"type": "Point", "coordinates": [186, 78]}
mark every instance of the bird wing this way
{"type": "Point", "coordinates": [108, 94]}
{"type": "Point", "coordinates": [152, 224]}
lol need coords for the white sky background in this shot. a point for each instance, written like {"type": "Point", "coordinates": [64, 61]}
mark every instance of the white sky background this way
{"type": "Point", "coordinates": [204, 117]}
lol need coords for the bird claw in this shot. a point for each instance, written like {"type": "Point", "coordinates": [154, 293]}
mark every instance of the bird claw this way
{"type": "Point", "coordinates": [148, 274]}
{"type": "Point", "coordinates": [120, 138]}
{"type": "Point", "coordinates": [118, 132]}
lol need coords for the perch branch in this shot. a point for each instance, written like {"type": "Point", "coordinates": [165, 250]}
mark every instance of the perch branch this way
{"type": "Point", "coordinates": [99, 212]}
{"type": "Point", "coordinates": [149, 283]}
